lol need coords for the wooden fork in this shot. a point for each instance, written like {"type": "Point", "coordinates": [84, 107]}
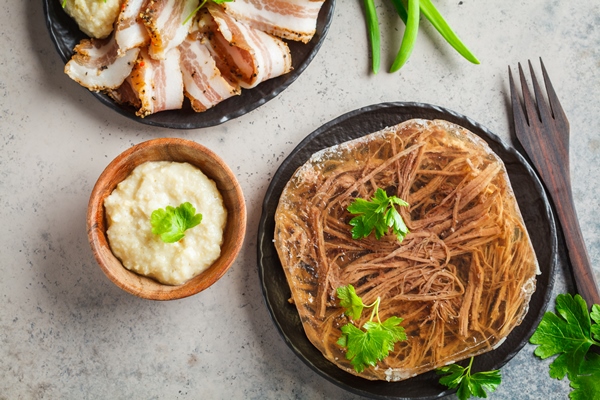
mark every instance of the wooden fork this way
{"type": "Point", "coordinates": [543, 130]}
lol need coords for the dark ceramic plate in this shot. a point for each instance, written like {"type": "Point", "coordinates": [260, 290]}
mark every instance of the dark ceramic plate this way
{"type": "Point", "coordinates": [65, 34]}
{"type": "Point", "coordinates": [532, 202]}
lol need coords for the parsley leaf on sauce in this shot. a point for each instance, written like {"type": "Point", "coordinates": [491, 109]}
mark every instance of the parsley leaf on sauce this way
{"type": "Point", "coordinates": [171, 223]}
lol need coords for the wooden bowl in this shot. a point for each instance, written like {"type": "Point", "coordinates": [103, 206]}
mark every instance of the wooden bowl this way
{"type": "Point", "coordinates": [166, 149]}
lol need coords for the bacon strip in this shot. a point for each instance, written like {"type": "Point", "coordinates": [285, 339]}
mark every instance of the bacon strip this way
{"type": "Point", "coordinates": [202, 81]}
{"type": "Point", "coordinates": [164, 21]}
{"type": "Point", "coordinates": [158, 83]}
{"type": "Point", "coordinates": [250, 55]}
{"type": "Point", "coordinates": [97, 65]}
{"type": "Point", "coordinates": [125, 94]}
{"type": "Point", "coordinates": [130, 31]}
{"type": "Point", "coordinates": [288, 19]}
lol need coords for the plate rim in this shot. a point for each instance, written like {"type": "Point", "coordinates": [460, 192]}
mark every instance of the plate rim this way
{"type": "Point", "coordinates": [432, 108]}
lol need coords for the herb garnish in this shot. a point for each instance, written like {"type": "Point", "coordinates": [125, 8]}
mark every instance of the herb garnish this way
{"type": "Point", "coordinates": [469, 384]}
{"type": "Point", "coordinates": [377, 214]}
{"type": "Point", "coordinates": [171, 223]}
{"type": "Point", "coordinates": [374, 343]}
{"type": "Point", "coordinates": [202, 5]}
{"type": "Point", "coordinates": [587, 382]}
{"type": "Point", "coordinates": [570, 334]}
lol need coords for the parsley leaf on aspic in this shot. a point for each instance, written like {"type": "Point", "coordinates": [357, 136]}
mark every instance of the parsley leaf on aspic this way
{"type": "Point", "coordinates": [171, 223]}
{"type": "Point", "coordinates": [375, 340]}
{"type": "Point", "coordinates": [469, 384]}
{"type": "Point", "coordinates": [377, 214]}
{"type": "Point", "coordinates": [568, 334]}
{"type": "Point", "coordinates": [350, 301]}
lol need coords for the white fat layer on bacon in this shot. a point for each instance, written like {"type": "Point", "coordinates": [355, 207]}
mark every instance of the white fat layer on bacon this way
{"type": "Point", "coordinates": [206, 31]}
{"type": "Point", "coordinates": [97, 65]}
{"type": "Point", "coordinates": [158, 83]}
{"type": "Point", "coordinates": [130, 31]}
{"type": "Point", "coordinates": [289, 19]}
{"type": "Point", "coordinates": [164, 21]}
{"type": "Point", "coordinates": [255, 55]}
{"type": "Point", "coordinates": [203, 83]}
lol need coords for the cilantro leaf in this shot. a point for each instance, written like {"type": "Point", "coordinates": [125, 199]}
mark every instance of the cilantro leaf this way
{"type": "Point", "coordinates": [350, 301]}
{"type": "Point", "coordinates": [378, 214]}
{"type": "Point", "coordinates": [567, 334]}
{"type": "Point", "coordinates": [468, 384]}
{"type": "Point", "coordinates": [374, 343]}
{"type": "Point", "coordinates": [586, 384]}
{"type": "Point", "coordinates": [171, 223]}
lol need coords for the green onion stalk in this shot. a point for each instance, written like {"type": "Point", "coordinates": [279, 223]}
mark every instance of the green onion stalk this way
{"type": "Point", "coordinates": [410, 15]}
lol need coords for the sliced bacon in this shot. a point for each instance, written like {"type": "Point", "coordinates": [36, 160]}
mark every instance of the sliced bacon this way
{"type": "Point", "coordinates": [97, 65]}
{"type": "Point", "coordinates": [204, 29]}
{"type": "Point", "coordinates": [130, 31]}
{"type": "Point", "coordinates": [202, 81]}
{"type": "Point", "coordinates": [164, 22]}
{"type": "Point", "coordinates": [288, 19]}
{"type": "Point", "coordinates": [157, 83]}
{"type": "Point", "coordinates": [125, 94]}
{"type": "Point", "coordinates": [151, 62]}
{"type": "Point", "coordinates": [250, 55]}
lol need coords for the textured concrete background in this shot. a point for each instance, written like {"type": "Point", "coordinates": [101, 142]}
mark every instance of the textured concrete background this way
{"type": "Point", "coordinates": [66, 332]}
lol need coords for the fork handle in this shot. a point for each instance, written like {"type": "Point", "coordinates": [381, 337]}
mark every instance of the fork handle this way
{"type": "Point", "coordinates": [583, 273]}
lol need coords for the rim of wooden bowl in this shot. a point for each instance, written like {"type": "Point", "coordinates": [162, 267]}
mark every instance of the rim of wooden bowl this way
{"type": "Point", "coordinates": [166, 149]}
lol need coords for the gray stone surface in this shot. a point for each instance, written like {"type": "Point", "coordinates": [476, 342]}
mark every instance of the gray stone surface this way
{"type": "Point", "coordinates": [66, 332]}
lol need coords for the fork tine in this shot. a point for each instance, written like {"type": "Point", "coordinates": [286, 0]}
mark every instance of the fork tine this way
{"type": "Point", "coordinates": [544, 110]}
{"type": "Point", "coordinates": [517, 108]}
{"type": "Point", "coordinates": [531, 111]}
{"type": "Point", "coordinates": [557, 110]}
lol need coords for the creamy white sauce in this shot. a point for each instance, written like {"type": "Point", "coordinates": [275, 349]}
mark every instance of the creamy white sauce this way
{"type": "Point", "coordinates": [155, 185]}
{"type": "Point", "coordinates": [94, 17]}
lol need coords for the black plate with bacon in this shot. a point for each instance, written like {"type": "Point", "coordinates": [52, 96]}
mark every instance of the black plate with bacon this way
{"type": "Point", "coordinates": [66, 35]}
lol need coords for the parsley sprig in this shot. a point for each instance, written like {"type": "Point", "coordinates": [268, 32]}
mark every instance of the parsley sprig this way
{"type": "Point", "coordinates": [570, 335]}
{"type": "Point", "coordinates": [469, 384]}
{"type": "Point", "coordinates": [378, 214]}
{"type": "Point", "coordinates": [171, 222]}
{"type": "Point", "coordinates": [375, 341]}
